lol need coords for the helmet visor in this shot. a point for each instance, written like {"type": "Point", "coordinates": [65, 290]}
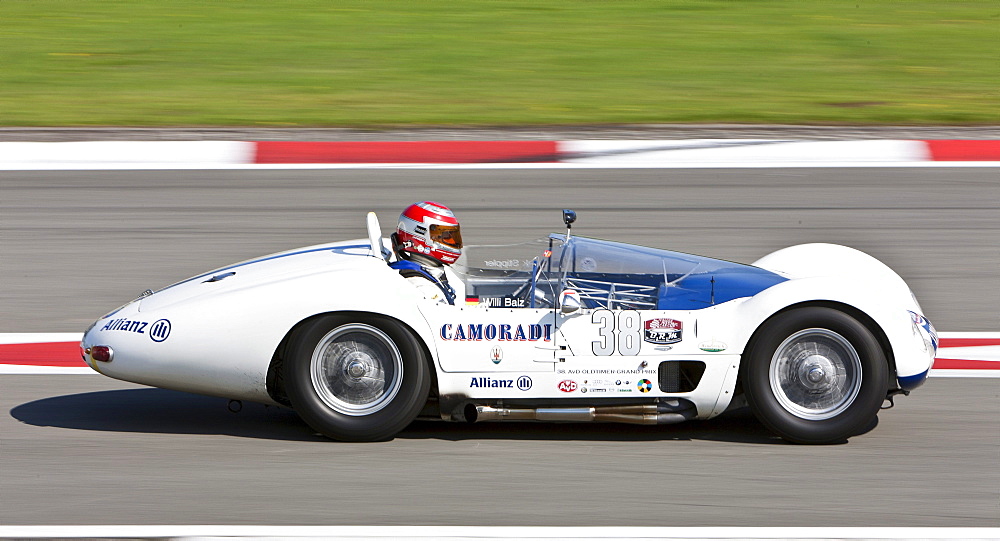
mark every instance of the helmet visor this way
{"type": "Point", "coordinates": [449, 235]}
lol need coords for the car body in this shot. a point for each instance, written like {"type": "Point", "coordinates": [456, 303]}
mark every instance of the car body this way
{"type": "Point", "coordinates": [813, 337]}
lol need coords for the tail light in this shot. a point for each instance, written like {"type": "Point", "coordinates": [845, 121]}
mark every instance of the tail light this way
{"type": "Point", "coordinates": [102, 353]}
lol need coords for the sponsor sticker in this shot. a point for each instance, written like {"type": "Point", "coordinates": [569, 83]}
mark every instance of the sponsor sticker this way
{"type": "Point", "coordinates": [492, 383]}
{"type": "Point", "coordinates": [603, 382]}
{"type": "Point", "coordinates": [158, 331]}
{"type": "Point", "coordinates": [504, 332]}
{"type": "Point", "coordinates": [925, 324]}
{"type": "Point", "coordinates": [663, 330]}
{"type": "Point", "coordinates": [496, 354]}
{"type": "Point", "coordinates": [127, 325]}
{"type": "Point", "coordinates": [524, 383]}
{"type": "Point", "coordinates": [645, 386]}
{"type": "Point", "coordinates": [567, 386]}
{"type": "Point", "coordinates": [606, 371]}
{"type": "Point", "coordinates": [712, 346]}
{"type": "Point", "coordinates": [599, 386]}
{"type": "Point", "coordinates": [505, 263]}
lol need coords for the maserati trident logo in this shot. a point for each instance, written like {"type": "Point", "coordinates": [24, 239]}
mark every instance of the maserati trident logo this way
{"type": "Point", "coordinates": [496, 355]}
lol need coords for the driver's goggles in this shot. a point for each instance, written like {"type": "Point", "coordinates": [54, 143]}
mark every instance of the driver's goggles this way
{"type": "Point", "coordinates": [449, 235]}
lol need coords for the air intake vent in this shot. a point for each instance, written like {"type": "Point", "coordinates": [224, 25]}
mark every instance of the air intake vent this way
{"type": "Point", "coordinates": [220, 277]}
{"type": "Point", "coordinates": [680, 376]}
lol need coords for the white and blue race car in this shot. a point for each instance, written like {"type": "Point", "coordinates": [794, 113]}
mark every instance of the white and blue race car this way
{"type": "Point", "coordinates": [814, 338]}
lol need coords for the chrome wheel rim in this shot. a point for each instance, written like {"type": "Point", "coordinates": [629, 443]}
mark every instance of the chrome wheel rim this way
{"type": "Point", "coordinates": [815, 374]}
{"type": "Point", "coordinates": [356, 369]}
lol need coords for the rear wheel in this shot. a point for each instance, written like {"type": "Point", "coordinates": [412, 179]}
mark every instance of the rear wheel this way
{"type": "Point", "coordinates": [356, 380]}
{"type": "Point", "coordinates": [815, 375]}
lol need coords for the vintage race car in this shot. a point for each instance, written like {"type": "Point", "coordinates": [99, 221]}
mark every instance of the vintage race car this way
{"type": "Point", "coordinates": [814, 338]}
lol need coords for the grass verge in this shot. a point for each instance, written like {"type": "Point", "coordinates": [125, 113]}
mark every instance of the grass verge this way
{"type": "Point", "coordinates": [499, 62]}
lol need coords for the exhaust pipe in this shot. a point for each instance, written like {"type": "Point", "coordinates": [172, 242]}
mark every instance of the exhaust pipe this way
{"type": "Point", "coordinates": [645, 414]}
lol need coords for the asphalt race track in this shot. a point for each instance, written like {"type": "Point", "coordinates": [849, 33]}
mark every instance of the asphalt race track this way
{"type": "Point", "coordinates": [78, 243]}
{"type": "Point", "coordinates": [91, 450]}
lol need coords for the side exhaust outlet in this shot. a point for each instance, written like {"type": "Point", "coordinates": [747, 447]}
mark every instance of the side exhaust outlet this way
{"type": "Point", "coordinates": [669, 412]}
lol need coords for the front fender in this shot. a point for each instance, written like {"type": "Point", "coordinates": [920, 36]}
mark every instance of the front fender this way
{"type": "Point", "coordinates": [860, 280]}
{"type": "Point", "coordinates": [889, 310]}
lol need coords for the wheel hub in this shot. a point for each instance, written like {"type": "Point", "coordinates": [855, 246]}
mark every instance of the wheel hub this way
{"type": "Point", "coordinates": [817, 371]}
{"type": "Point", "coordinates": [815, 374]}
{"type": "Point", "coordinates": [356, 369]}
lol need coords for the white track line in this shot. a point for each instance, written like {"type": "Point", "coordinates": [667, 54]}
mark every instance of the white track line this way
{"type": "Point", "coordinates": [39, 337]}
{"type": "Point", "coordinates": [55, 155]}
{"type": "Point", "coordinates": [112, 166]}
{"type": "Point", "coordinates": [484, 533]}
{"type": "Point", "coordinates": [971, 353]}
{"type": "Point", "coordinates": [964, 373]}
{"type": "Point", "coordinates": [31, 370]}
{"type": "Point", "coordinates": [980, 335]}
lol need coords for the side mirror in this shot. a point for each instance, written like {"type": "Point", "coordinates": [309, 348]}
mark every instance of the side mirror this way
{"type": "Point", "coordinates": [569, 302]}
{"type": "Point", "coordinates": [569, 216]}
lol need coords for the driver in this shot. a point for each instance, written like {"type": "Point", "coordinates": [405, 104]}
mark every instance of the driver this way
{"type": "Point", "coordinates": [427, 238]}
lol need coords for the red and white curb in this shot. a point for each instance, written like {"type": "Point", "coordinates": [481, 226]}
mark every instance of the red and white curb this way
{"type": "Point", "coordinates": [959, 354]}
{"type": "Point", "coordinates": [42, 353]}
{"type": "Point", "coordinates": [969, 354]}
{"type": "Point", "coordinates": [667, 153]}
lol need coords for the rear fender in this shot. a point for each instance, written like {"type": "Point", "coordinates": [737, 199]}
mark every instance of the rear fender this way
{"type": "Point", "coordinates": [223, 342]}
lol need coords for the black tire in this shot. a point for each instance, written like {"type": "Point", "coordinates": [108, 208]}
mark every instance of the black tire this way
{"type": "Point", "coordinates": [815, 375]}
{"type": "Point", "coordinates": [356, 379]}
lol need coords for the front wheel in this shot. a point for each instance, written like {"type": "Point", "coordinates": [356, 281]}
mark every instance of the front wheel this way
{"type": "Point", "coordinates": [815, 375]}
{"type": "Point", "coordinates": [356, 379]}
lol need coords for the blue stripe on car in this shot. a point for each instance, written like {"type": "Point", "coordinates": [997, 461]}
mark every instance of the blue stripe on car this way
{"type": "Point", "coordinates": [334, 249]}
{"type": "Point", "coordinates": [908, 383]}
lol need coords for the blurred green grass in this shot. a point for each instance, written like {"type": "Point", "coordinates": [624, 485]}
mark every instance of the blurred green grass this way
{"type": "Point", "coordinates": [497, 62]}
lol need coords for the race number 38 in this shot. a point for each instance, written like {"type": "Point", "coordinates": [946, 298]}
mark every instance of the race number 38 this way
{"type": "Point", "coordinates": [622, 334]}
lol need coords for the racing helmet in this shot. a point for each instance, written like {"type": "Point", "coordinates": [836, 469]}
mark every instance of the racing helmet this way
{"type": "Point", "coordinates": [431, 230]}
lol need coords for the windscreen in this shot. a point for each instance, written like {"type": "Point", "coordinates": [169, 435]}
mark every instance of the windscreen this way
{"type": "Point", "coordinates": [607, 274]}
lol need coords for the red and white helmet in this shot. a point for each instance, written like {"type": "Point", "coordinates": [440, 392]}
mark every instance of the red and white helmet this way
{"type": "Point", "coordinates": [431, 230]}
